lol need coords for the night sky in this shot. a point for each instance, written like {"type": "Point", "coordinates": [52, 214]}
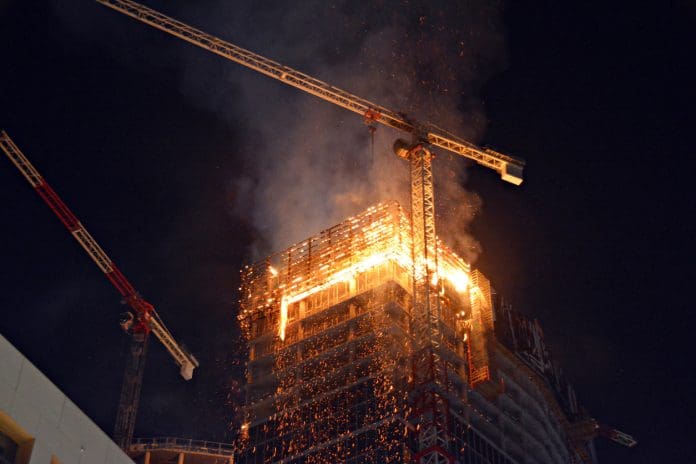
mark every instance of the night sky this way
{"type": "Point", "coordinates": [184, 166]}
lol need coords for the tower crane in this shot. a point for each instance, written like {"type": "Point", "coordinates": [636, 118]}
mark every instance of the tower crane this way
{"type": "Point", "coordinates": [139, 322]}
{"type": "Point", "coordinates": [430, 386]}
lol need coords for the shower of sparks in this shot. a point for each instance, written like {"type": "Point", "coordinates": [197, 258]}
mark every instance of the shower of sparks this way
{"type": "Point", "coordinates": [327, 323]}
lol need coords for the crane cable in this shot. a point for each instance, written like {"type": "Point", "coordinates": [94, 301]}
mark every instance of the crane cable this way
{"type": "Point", "coordinates": [372, 130]}
{"type": "Point", "coordinates": [370, 118]}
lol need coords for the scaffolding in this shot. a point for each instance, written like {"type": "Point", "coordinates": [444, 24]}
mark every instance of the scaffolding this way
{"type": "Point", "coordinates": [330, 327]}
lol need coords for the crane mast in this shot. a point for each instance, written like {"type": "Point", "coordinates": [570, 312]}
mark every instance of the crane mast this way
{"type": "Point", "coordinates": [144, 319]}
{"type": "Point", "coordinates": [430, 405]}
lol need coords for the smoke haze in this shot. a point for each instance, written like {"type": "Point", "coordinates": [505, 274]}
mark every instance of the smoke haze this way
{"type": "Point", "coordinates": [303, 164]}
{"type": "Point", "coordinates": [306, 164]}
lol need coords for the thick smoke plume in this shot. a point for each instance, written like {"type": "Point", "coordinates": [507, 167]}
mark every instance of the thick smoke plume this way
{"type": "Point", "coordinates": [306, 164]}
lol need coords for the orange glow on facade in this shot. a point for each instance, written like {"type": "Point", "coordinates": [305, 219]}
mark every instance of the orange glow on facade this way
{"type": "Point", "coordinates": [379, 237]}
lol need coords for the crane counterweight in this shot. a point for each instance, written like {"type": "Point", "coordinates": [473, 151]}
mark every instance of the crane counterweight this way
{"type": "Point", "coordinates": [511, 173]}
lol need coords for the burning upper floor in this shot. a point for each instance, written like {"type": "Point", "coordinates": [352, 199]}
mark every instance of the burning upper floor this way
{"type": "Point", "coordinates": [331, 373]}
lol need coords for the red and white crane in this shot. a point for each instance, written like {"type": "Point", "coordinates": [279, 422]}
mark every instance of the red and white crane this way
{"type": "Point", "coordinates": [139, 322]}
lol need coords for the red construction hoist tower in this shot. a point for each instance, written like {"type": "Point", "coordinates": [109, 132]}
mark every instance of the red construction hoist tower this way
{"type": "Point", "coordinates": [430, 419]}
{"type": "Point", "coordinates": [139, 322]}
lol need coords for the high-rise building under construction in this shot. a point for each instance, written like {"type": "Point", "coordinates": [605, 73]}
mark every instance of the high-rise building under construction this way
{"type": "Point", "coordinates": [332, 376]}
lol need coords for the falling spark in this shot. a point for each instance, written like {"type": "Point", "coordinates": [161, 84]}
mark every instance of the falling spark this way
{"type": "Point", "coordinates": [353, 258]}
{"type": "Point", "coordinates": [283, 318]}
{"type": "Point", "coordinates": [373, 240]}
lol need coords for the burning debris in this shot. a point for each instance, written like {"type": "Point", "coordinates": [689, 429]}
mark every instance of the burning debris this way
{"type": "Point", "coordinates": [329, 326]}
{"type": "Point", "coordinates": [335, 371]}
{"type": "Point", "coordinates": [341, 257]}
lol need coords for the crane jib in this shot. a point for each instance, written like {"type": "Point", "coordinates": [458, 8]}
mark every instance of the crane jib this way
{"type": "Point", "coordinates": [183, 358]}
{"type": "Point", "coordinates": [509, 168]}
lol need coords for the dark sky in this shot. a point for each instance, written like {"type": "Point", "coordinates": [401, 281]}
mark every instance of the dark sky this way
{"type": "Point", "coordinates": [168, 156]}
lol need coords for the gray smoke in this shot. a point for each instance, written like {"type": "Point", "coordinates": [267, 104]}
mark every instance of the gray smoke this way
{"type": "Point", "coordinates": [305, 164]}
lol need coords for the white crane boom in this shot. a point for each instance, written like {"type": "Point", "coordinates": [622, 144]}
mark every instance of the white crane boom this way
{"type": "Point", "coordinates": [509, 168]}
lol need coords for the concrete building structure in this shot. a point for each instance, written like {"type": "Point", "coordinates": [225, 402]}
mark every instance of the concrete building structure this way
{"type": "Point", "coordinates": [330, 373]}
{"type": "Point", "coordinates": [40, 425]}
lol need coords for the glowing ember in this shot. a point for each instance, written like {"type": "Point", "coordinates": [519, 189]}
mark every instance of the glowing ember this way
{"type": "Point", "coordinates": [327, 322]}
{"type": "Point", "coordinates": [244, 430]}
{"type": "Point", "coordinates": [283, 318]}
{"type": "Point", "coordinates": [332, 325]}
{"type": "Point", "coordinates": [457, 277]}
{"type": "Point", "coordinates": [363, 243]}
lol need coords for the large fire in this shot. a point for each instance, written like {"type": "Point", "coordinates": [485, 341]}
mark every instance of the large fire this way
{"type": "Point", "coordinates": [374, 238]}
{"type": "Point", "coordinates": [334, 347]}
{"type": "Point", "coordinates": [334, 309]}
{"type": "Point", "coordinates": [457, 277]}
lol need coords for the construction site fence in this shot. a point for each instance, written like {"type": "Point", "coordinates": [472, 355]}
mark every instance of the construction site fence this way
{"type": "Point", "coordinates": [182, 444]}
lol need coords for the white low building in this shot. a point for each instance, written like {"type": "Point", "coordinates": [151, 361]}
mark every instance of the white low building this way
{"type": "Point", "coordinates": [40, 425]}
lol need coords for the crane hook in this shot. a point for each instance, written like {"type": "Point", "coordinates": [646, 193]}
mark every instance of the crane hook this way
{"type": "Point", "coordinates": [369, 118]}
{"type": "Point", "coordinates": [372, 130]}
